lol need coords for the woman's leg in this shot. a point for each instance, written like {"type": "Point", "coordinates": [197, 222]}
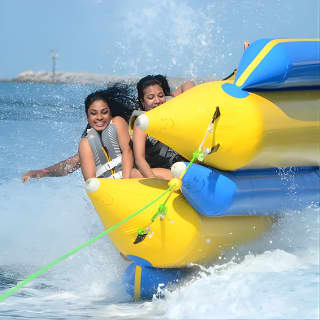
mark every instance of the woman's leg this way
{"type": "Point", "coordinates": [162, 173]}
{"type": "Point", "coordinates": [135, 173]}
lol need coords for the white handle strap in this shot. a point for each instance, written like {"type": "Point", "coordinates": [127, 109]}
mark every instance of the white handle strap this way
{"type": "Point", "coordinates": [117, 175]}
{"type": "Point", "coordinates": [108, 166]}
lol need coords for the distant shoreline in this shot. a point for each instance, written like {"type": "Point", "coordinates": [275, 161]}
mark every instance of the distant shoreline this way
{"type": "Point", "coordinates": [81, 78]}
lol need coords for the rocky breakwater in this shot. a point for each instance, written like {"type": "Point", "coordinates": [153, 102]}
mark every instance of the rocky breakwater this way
{"type": "Point", "coordinates": [82, 78]}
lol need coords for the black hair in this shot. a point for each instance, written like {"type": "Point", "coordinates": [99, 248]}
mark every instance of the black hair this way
{"type": "Point", "coordinates": [119, 97]}
{"type": "Point", "coordinates": [151, 80]}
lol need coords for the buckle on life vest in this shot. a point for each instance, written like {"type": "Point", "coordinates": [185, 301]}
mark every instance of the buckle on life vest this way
{"type": "Point", "coordinates": [108, 166]}
{"type": "Point", "coordinates": [117, 175]}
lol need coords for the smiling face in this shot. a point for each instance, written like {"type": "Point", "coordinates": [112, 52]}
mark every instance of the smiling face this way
{"type": "Point", "coordinates": [99, 115]}
{"type": "Point", "coordinates": [153, 97]}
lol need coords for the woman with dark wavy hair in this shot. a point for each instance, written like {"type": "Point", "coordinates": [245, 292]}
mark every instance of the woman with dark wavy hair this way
{"type": "Point", "coordinates": [152, 157]}
{"type": "Point", "coordinates": [120, 100]}
{"type": "Point", "coordinates": [124, 104]}
{"type": "Point", "coordinates": [105, 149]}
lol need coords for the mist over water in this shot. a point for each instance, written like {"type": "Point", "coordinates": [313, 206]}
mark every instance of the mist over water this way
{"type": "Point", "coordinates": [276, 276]}
{"type": "Point", "coordinates": [194, 40]}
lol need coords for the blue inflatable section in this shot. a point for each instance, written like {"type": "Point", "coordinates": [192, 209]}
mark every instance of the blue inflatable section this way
{"type": "Point", "coordinates": [150, 279]}
{"type": "Point", "coordinates": [234, 91]}
{"type": "Point", "coordinates": [217, 193]}
{"type": "Point", "coordinates": [139, 261]}
{"type": "Point", "coordinates": [287, 65]}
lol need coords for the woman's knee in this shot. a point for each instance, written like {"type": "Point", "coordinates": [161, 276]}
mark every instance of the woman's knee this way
{"type": "Point", "coordinates": [135, 173]}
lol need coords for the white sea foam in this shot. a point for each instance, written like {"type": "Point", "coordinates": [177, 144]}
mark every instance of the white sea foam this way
{"type": "Point", "coordinates": [276, 276]}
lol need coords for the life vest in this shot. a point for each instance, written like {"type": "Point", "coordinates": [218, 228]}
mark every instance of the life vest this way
{"type": "Point", "coordinates": [158, 155]}
{"type": "Point", "coordinates": [106, 151]}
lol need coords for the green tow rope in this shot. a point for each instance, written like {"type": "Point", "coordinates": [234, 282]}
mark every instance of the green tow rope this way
{"type": "Point", "coordinates": [162, 210]}
{"type": "Point", "coordinates": [74, 251]}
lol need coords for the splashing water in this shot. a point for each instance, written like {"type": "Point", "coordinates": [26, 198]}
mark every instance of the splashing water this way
{"type": "Point", "coordinates": [46, 218]}
{"type": "Point", "coordinates": [276, 276]}
{"type": "Point", "coordinates": [181, 38]}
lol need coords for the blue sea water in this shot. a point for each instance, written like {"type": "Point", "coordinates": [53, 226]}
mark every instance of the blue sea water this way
{"type": "Point", "coordinates": [274, 277]}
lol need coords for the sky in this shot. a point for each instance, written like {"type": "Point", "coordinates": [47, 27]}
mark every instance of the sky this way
{"type": "Point", "coordinates": [179, 38]}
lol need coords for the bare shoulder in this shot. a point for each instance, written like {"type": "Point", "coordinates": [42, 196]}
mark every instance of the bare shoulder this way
{"type": "Point", "coordinates": [118, 120]}
{"type": "Point", "coordinates": [120, 123]}
{"type": "Point", "coordinates": [83, 145]}
{"type": "Point", "coordinates": [138, 134]}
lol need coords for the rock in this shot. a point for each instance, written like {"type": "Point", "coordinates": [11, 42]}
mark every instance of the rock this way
{"type": "Point", "coordinates": [82, 78]}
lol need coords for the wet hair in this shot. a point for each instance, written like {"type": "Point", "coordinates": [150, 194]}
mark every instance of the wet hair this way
{"type": "Point", "coordinates": [119, 98]}
{"type": "Point", "coordinates": [152, 80]}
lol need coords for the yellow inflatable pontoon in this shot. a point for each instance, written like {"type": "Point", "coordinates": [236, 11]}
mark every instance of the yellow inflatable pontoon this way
{"type": "Point", "coordinates": [259, 130]}
{"type": "Point", "coordinates": [184, 236]}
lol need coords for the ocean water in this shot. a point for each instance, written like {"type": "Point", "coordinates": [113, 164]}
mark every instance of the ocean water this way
{"type": "Point", "coordinates": [274, 277]}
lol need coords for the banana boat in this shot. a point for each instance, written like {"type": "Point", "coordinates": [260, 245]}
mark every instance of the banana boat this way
{"type": "Point", "coordinates": [249, 127]}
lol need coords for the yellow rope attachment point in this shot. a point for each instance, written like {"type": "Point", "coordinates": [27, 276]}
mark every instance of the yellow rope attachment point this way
{"type": "Point", "coordinates": [175, 183]}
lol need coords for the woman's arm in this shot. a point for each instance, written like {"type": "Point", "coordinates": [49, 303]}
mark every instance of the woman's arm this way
{"type": "Point", "coordinates": [184, 87]}
{"type": "Point", "coordinates": [124, 142]}
{"type": "Point", "coordinates": [59, 169]}
{"type": "Point", "coordinates": [87, 163]}
{"type": "Point", "coordinates": [139, 147]}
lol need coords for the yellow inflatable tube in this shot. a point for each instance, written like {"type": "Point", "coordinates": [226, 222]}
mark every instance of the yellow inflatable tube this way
{"type": "Point", "coordinates": [183, 237]}
{"type": "Point", "coordinates": [260, 130]}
